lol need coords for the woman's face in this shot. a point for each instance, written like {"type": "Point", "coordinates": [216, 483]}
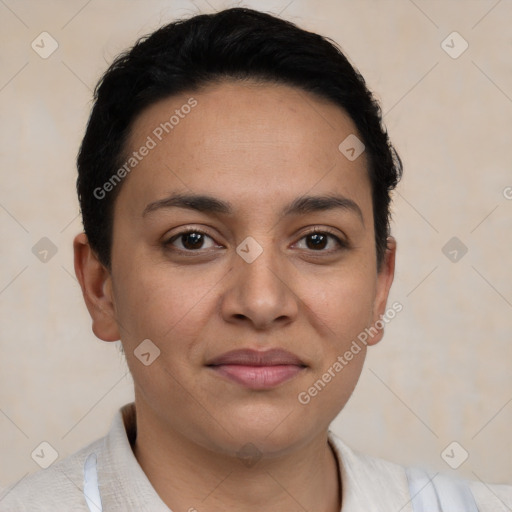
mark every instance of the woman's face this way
{"type": "Point", "coordinates": [264, 265]}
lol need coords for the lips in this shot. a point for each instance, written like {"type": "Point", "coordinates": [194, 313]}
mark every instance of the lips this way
{"type": "Point", "coordinates": [249, 357]}
{"type": "Point", "coordinates": [257, 369]}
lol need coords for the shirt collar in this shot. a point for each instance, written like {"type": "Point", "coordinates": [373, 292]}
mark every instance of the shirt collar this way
{"type": "Point", "coordinates": [123, 483]}
{"type": "Point", "coordinates": [367, 483]}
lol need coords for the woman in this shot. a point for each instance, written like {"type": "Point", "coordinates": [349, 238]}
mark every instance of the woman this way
{"type": "Point", "coordinates": [235, 182]}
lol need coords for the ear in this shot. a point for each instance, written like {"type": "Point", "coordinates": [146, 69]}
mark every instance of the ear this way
{"type": "Point", "coordinates": [96, 283]}
{"type": "Point", "coordinates": [385, 277]}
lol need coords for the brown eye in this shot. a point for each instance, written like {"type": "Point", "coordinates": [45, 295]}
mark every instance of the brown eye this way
{"type": "Point", "coordinates": [190, 240]}
{"type": "Point", "coordinates": [322, 241]}
{"type": "Point", "coordinates": [316, 241]}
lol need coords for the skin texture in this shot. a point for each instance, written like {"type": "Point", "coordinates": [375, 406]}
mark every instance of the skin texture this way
{"type": "Point", "coordinates": [259, 147]}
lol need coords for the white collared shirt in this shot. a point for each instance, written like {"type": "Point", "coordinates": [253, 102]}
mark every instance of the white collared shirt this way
{"type": "Point", "coordinates": [368, 484]}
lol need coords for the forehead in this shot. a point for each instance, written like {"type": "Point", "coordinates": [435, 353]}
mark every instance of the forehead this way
{"type": "Point", "coordinates": [259, 142]}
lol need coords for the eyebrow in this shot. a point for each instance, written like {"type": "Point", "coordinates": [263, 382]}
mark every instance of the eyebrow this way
{"type": "Point", "coordinates": [299, 206]}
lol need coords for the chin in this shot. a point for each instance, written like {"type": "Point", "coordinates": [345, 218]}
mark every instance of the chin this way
{"type": "Point", "coordinates": [273, 430]}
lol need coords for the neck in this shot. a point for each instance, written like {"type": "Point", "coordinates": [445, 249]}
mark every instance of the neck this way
{"type": "Point", "coordinates": [189, 477]}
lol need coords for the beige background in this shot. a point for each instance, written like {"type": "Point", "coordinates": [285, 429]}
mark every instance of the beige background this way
{"type": "Point", "coordinates": [442, 372]}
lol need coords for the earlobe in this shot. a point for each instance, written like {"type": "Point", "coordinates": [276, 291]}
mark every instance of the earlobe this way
{"type": "Point", "coordinates": [384, 281]}
{"type": "Point", "coordinates": [96, 283]}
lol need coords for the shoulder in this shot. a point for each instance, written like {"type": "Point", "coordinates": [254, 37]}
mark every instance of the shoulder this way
{"type": "Point", "coordinates": [57, 488]}
{"type": "Point", "coordinates": [388, 482]}
{"type": "Point", "coordinates": [492, 497]}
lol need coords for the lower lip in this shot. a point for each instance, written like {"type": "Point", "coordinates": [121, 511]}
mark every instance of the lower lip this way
{"type": "Point", "coordinates": [258, 377]}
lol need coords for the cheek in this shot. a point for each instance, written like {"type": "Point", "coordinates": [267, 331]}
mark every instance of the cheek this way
{"type": "Point", "coordinates": [173, 318]}
{"type": "Point", "coordinates": [342, 302]}
{"type": "Point", "coordinates": [162, 304]}
{"type": "Point", "coordinates": [342, 311]}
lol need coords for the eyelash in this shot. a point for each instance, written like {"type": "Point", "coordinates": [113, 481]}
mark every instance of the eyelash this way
{"type": "Point", "coordinates": [342, 244]}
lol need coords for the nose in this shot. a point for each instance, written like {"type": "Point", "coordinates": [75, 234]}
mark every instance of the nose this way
{"type": "Point", "coordinates": [260, 293]}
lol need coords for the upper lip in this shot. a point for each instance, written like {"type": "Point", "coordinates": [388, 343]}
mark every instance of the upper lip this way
{"type": "Point", "coordinates": [248, 357]}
